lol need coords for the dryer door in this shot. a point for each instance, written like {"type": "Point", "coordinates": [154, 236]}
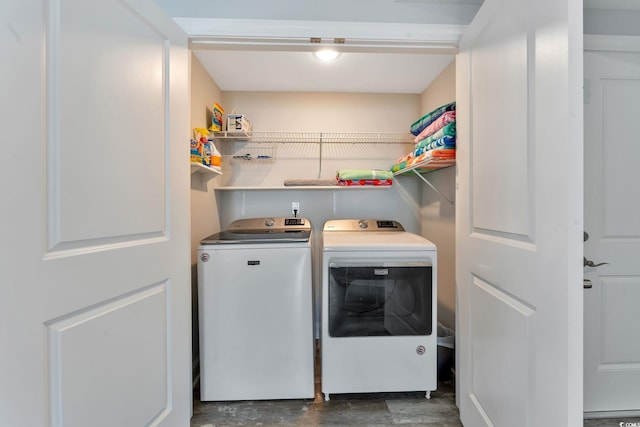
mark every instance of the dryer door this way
{"type": "Point", "coordinates": [380, 299]}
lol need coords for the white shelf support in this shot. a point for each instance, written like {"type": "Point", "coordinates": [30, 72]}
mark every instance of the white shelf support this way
{"type": "Point", "coordinates": [426, 181]}
{"type": "Point", "coordinates": [320, 157]}
{"type": "Point", "coordinates": [205, 170]}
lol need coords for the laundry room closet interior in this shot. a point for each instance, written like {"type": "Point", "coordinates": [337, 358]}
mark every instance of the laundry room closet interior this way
{"type": "Point", "coordinates": [253, 173]}
{"type": "Point", "coordinates": [254, 188]}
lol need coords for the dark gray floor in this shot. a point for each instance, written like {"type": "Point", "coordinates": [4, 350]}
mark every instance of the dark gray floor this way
{"type": "Point", "coordinates": [353, 410]}
{"type": "Point", "coordinates": [371, 410]}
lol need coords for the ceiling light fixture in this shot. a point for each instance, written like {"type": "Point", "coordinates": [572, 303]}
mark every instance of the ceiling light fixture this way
{"type": "Point", "coordinates": [326, 54]}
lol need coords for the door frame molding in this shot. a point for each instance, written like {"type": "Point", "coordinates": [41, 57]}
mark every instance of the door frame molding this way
{"type": "Point", "coordinates": [596, 42]}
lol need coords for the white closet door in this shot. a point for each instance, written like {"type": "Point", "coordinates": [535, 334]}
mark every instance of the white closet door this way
{"type": "Point", "coordinates": [94, 294]}
{"type": "Point", "coordinates": [519, 215]}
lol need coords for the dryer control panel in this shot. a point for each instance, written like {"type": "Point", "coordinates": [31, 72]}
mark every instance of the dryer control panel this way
{"type": "Point", "coordinates": [362, 225]}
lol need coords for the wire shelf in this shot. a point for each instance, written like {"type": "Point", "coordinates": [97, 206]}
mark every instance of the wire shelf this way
{"type": "Point", "coordinates": [318, 137]}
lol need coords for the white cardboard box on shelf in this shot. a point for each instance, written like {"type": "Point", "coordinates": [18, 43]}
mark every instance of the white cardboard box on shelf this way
{"type": "Point", "coordinates": [238, 123]}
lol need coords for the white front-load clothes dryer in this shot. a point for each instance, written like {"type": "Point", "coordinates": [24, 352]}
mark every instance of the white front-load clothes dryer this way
{"type": "Point", "coordinates": [378, 316]}
{"type": "Point", "coordinates": [256, 311]}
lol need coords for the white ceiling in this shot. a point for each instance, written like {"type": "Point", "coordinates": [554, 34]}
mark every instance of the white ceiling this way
{"type": "Point", "coordinates": [391, 46]}
{"type": "Point", "coordinates": [301, 72]}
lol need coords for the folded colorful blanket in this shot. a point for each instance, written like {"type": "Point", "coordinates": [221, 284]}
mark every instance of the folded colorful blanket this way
{"type": "Point", "coordinates": [449, 129]}
{"type": "Point", "coordinates": [399, 166]}
{"type": "Point", "coordinates": [436, 157]}
{"type": "Point", "coordinates": [440, 122]}
{"type": "Point", "coordinates": [446, 141]}
{"type": "Point", "coordinates": [439, 152]}
{"type": "Point", "coordinates": [405, 158]}
{"type": "Point", "coordinates": [358, 174]}
{"type": "Point", "coordinates": [424, 121]}
{"type": "Point", "coordinates": [379, 182]}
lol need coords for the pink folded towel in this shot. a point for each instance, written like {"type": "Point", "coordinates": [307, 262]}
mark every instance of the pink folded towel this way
{"type": "Point", "coordinates": [440, 122]}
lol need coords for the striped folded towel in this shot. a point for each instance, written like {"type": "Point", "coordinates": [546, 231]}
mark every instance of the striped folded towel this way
{"type": "Point", "coordinates": [447, 130]}
{"type": "Point", "coordinates": [439, 123]}
{"type": "Point", "coordinates": [362, 182]}
{"type": "Point", "coordinates": [363, 174]}
{"type": "Point", "coordinates": [433, 157]}
{"type": "Point", "coordinates": [424, 121]}
{"type": "Point", "coordinates": [446, 141]}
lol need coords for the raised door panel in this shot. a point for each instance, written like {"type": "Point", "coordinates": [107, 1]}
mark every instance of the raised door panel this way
{"type": "Point", "coordinates": [617, 348]}
{"type": "Point", "coordinates": [502, 329]}
{"type": "Point", "coordinates": [94, 352]}
{"type": "Point", "coordinates": [499, 162]}
{"type": "Point", "coordinates": [620, 152]}
{"type": "Point", "coordinates": [106, 130]}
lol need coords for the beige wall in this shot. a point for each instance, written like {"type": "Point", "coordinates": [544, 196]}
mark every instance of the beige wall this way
{"type": "Point", "coordinates": [437, 215]}
{"type": "Point", "coordinates": [325, 111]}
{"type": "Point", "coordinates": [204, 212]}
{"type": "Point", "coordinates": [315, 112]}
{"type": "Point", "coordinates": [441, 91]}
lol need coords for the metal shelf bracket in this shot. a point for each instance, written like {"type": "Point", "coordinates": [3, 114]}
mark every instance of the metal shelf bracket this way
{"type": "Point", "coordinates": [426, 181]}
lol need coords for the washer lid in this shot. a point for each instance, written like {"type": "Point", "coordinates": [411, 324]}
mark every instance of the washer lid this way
{"type": "Point", "coordinates": [263, 230]}
{"type": "Point", "coordinates": [270, 225]}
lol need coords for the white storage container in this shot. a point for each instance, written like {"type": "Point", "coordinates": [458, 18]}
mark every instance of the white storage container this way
{"type": "Point", "coordinates": [238, 123]}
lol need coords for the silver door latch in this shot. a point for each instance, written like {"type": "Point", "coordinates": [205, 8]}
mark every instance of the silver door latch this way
{"type": "Point", "coordinates": [588, 263]}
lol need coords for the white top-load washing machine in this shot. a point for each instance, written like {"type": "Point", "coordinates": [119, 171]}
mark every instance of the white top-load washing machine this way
{"type": "Point", "coordinates": [256, 311]}
{"type": "Point", "coordinates": [378, 308]}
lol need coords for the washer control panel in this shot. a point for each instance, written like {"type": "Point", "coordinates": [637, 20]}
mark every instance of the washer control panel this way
{"type": "Point", "coordinates": [270, 225]}
{"type": "Point", "coordinates": [288, 222]}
